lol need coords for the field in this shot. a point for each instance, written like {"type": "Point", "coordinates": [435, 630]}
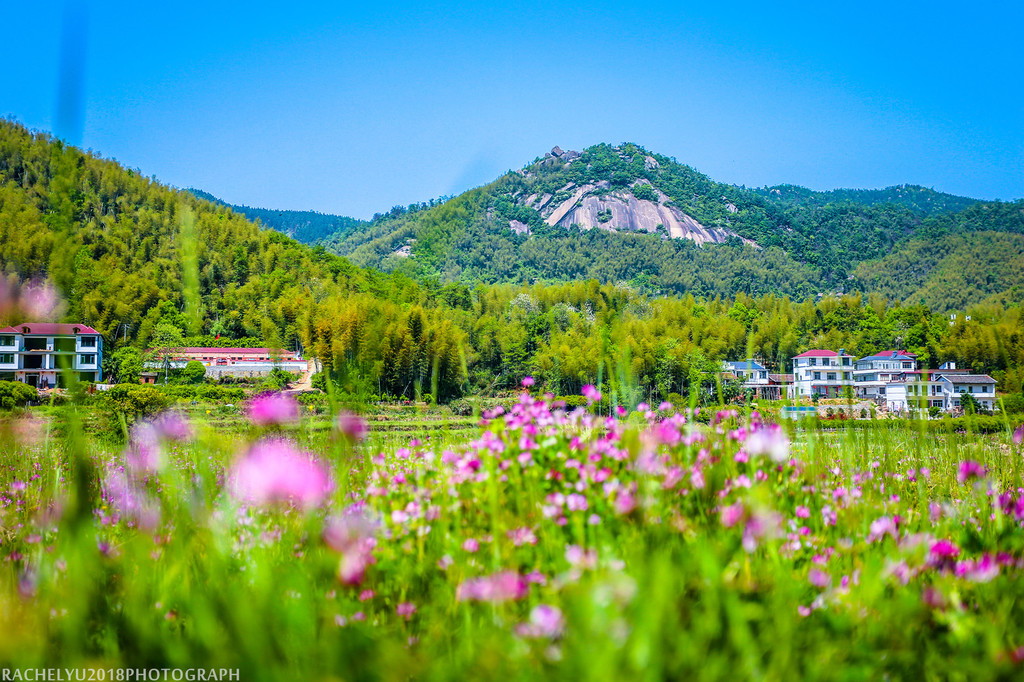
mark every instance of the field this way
{"type": "Point", "coordinates": [532, 543]}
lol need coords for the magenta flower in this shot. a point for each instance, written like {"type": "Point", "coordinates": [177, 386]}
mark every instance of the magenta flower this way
{"type": "Point", "coordinates": [969, 470]}
{"type": "Point", "coordinates": [591, 394]}
{"type": "Point", "coordinates": [272, 408]}
{"type": "Point", "coordinates": [497, 588]}
{"type": "Point", "coordinates": [527, 382]}
{"type": "Point", "coordinates": [274, 471]}
{"type": "Point", "coordinates": [351, 426]}
{"type": "Point", "coordinates": [545, 621]}
{"type": "Point", "coordinates": [942, 555]}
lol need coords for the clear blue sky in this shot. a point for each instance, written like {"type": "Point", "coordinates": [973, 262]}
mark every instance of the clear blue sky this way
{"type": "Point", "coordinates": [354, 108]}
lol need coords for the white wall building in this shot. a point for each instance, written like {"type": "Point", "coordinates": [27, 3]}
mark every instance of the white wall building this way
{"type": "Point", "coordinates": [37, 352]}
{"type": "Point", "coordinates": [824, 373]}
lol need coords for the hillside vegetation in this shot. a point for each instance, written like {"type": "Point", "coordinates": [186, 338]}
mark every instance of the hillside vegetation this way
{"type": "Point", "coordinates": [129, 255]}
{"type": "Point", "coordinates": [594, 214]}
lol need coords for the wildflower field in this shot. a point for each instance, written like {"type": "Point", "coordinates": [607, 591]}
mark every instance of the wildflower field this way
{"type": "Point", "coordinates": [545, 543]}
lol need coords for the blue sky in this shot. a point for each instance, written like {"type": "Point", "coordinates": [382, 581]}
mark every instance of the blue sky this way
{"type": "Point", "coordinates": [353, 108]}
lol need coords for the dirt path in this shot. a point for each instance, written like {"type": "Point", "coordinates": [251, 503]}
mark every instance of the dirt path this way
{"type": "Point", "coordinates": [305, 382]}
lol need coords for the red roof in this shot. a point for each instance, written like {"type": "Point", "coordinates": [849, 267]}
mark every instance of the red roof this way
{"type": "Point", "coordinates": [818, 354]}
{"type": "Point", "coordinates": [237, 351]}
{"type": "Point", "coordinates": [48, 328]}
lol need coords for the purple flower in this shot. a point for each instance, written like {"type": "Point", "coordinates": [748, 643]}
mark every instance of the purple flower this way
{"type": "Point", "coordinates": [1018, 435]}
{"type": "Point", "coordinates": [545, 621]}
{"type": "Point", "coordinates": [970, 469]}
{"type": "Point", "coordinates": [173, 426]}
{"type": "Point", "coordinates": [274, 471]}
{"type": "Point", "coordinates": [272, 408]}
{"type": "Point", "coordinates": [351, 426]}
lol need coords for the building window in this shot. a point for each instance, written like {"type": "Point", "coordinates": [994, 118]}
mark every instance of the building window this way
{"type": "Point", "coordinates": [846, 361]}
{"type": "Point", "coordinates": [817, 376]}
{"type": "Point", "coordinates": [87, 359]}
{"type": "Point", "coordinates": [831, 376]}
{"type": "Point", "coordinates": [6, 358]}
{"type": "Point", "coordinates": [88, 342]}
{"type": "Point", "coordinates": [6, 340]}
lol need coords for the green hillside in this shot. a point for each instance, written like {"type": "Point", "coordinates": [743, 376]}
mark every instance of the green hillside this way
{"type": "Point", "coordinates": [785, 240]}
{"type": "Point", "coordinates": [305, 226]}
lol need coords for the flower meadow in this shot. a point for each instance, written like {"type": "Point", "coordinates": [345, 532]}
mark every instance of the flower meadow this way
{"type": "Point", "coordinates": [546, 543]}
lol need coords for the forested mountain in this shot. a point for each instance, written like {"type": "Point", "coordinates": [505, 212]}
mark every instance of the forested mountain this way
{"type": "Point", "coordinates": [132, 257]}
{"type": "Point", "coordinates": [305, 226]}
{"type": "Point", "coordinates": [625, 214]}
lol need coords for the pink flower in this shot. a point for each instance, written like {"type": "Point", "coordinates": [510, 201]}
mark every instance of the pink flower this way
{"type": "Point", "coordinates": [527, 382]}
{"type": "Point", "coordinates": [272, 408]}
{"type": "Point", "coordinates": [591, 394]}
{"type": "Point", "coordinates": [625, 502]}
{"type": "Point", "coordinates": [576, 502]}
{"type": "Point", "coordinates": [351, 426]}
{"type": "Point", "coordinates": [274, 471]}
{"type": "Point", "coordinates": [39, 300]}
{"type": "Point", "coordinates": [471, 545]}
{"type": "Point", "coordinates": [522, 536]}
{"type": "Point", "coordinates": [545, 621]}
{"type": "Point", "coordinates": [803, 513]}
{"type": "Point", "coordinates": [881, 527]}
{"type": "Point", "coordinates": [819, 578]}
{"type": "Point", "coordinates": [406, 609]}
{"type": "Point", "coordinates": [1018, 435]}
{"type": "Point", "coordinates": [970, 469]}
{"type": "Point", "coordinates": [768, 440]}
{"type": "Point", "coordinates": [733, 514]}
{"type": "Point", "coordinates": [497, 588]}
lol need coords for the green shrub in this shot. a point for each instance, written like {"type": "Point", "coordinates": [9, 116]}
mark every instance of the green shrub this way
{"type": "Point", "coordinates": [16, 394]}
{"type": "Point", "coordinates": [461, 407]}
{"type": "Point", "coordinates": [134, 401]}
{"type": "Point", "coordinates": [194, 372]}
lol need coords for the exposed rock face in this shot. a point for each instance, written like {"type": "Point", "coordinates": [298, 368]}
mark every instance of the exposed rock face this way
{"type": "Point", "coordinates": [651, 163]}
{"type": "Point", "coordinates": [620, 210]}
{"type": "Point", "coordinates": [518, 227]}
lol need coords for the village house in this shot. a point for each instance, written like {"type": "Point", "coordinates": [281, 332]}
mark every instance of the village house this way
{"type": "Point", "coordinates": [824, 373]}
{"type": "Point", "coordinates": [36, 353]}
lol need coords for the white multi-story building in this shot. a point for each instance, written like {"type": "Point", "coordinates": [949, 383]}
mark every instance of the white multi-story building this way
{"type": "Point", "coordinates": [873, 374]}
{"type": "Point", "coordinates": [824, 373]}
{"type": "Point", "coordinates": [36, 353]}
